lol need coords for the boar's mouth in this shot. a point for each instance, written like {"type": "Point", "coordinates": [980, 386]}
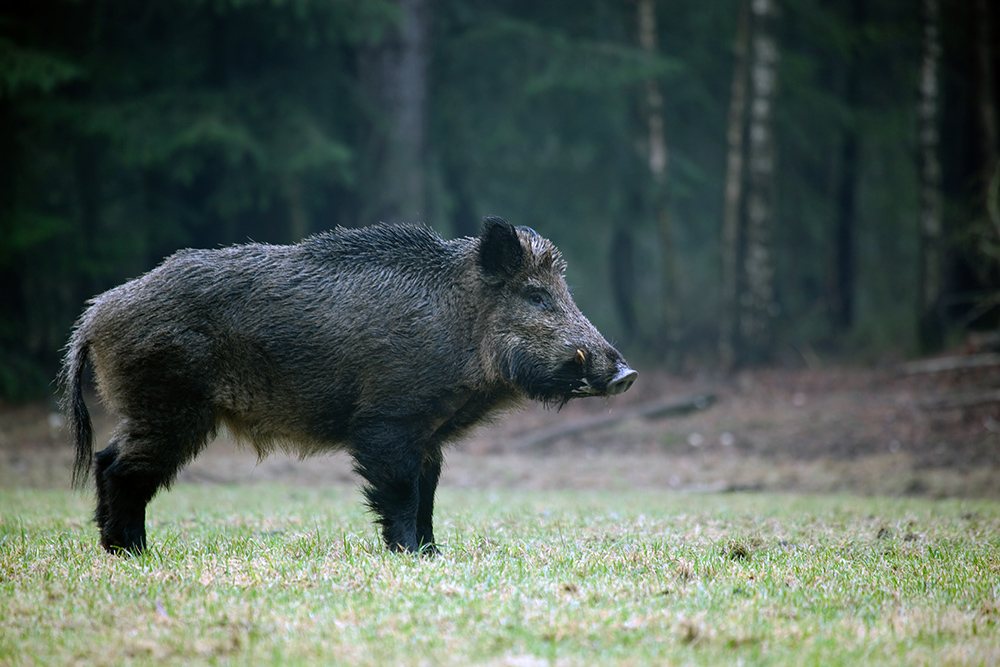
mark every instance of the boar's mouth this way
{"type": "Point", "coordinates": [569, 379]}
{"type": "Point", "coordinates": [619, 383]}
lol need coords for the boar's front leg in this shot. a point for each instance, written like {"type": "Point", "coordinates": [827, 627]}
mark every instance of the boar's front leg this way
{"type": "Point", "coordinates": [429, 474]}
{"type": "Point", "coordinates": [391, 459]}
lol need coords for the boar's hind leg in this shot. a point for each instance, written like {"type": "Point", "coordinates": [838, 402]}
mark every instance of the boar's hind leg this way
{"type": "Point", "coordinates": [128, 474]}
{"type": "Point", "coordinates": [122, 495]}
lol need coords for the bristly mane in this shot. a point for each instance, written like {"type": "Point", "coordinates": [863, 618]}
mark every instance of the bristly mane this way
{"type": "Point", "coordinates": [415, 247]}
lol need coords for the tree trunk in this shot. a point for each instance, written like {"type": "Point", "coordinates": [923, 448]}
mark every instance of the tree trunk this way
{"type": "Point", "coordinates": [757, 302]}
{"type": "Point", "coordinates": [658, 158]}
{"type": "Point", "coordinates": [842, 298]}
{"type": "Point", "coordinates": [930, 330]}
{"type": "Point", "coordinates": [986, 103]}
{"type": "Point", "coordinates": [842, 285]}
{"type": "Point", "coordinates": [733, 197]}
{"type": "Point", "coordinates": [395, 72]}
{"type": "Point", "coordinates": [622, 263]}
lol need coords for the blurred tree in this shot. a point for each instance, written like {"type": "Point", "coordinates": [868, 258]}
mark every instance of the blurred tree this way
{"type": "Point", "coordinates": [842, 284]}
{"type": "Point", "coordinates": [986, 229]}
{"type": "Point", "coordinates": [623, 283]}
{"type": "Point", "coordinates": [757, 301]}
{"type": "Point", "coordinates": [749, 204]}
{"type": "Point", "coordinates": [930, 325]}
{"type": "Point", "coordinates": [394, 71]}
{"type": "Point", "coordinates": [657, 158]}
{"type": "Point", "coordinates": [987, 106]}
{"type": "Point", "coordinates": [733, 199]}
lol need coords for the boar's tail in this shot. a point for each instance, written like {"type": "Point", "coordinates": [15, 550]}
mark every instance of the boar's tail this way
{"type": "Point", "coordinates": [78, 417]}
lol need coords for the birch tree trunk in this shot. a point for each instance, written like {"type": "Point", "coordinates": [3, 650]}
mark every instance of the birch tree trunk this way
{"type": "Point", "coordinates": [758, 306]}
{"type": "Point", "coordinates": [658, 157]}
{"type": "Point", "coordinates": [732, 205]}
{"type": "Point", "coordinates": [929, 325]}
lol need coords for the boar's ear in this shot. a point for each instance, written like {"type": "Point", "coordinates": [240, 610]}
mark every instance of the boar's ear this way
{"type": "Point", "coordinates": [500, 251]}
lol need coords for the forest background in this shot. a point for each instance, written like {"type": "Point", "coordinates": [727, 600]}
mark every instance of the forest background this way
{"type": "Point", "coordinates": [733, 183]}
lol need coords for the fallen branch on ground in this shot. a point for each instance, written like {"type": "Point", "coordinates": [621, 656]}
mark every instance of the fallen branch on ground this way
{"type": "Point", "coordinates": [965, 399]}
{"type": "Point", "coordinates": [958, 363]}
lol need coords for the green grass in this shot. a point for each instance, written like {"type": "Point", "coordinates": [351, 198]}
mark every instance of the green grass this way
{"type": "Point", "coordinates": [272, 574]}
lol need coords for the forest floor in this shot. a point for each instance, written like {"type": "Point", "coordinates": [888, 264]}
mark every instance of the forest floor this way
{"type": "Point", "coordinates": [870, 431]}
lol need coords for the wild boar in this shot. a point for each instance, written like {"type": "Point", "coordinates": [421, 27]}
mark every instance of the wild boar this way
{"type": "Point", "coordinates": [387, 341]}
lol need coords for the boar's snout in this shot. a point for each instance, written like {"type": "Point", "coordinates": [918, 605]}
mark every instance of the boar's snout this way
{"type": "Point", "coordinates": [622, 381]}
{"type": "Point", "coordinates": [606, 373]}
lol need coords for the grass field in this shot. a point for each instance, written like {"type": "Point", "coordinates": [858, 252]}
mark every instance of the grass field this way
{"type": "Point", "coordinates": [271, 574]}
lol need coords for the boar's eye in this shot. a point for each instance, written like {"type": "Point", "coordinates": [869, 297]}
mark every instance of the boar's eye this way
{"type": "Point", "coordinates": [539, 300]}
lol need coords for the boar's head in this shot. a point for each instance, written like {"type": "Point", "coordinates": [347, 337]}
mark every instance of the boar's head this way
{"type": "Point", "coordinates": [538, 338]}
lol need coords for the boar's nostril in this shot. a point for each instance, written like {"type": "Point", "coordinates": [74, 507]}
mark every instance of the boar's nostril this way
{"type": "Point", "coordinates": [621, 382]}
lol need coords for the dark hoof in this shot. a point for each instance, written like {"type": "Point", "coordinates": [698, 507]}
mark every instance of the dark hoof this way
{"type": "Point", "coordinates": [127, 545]}
{"type": "Point", "coordinates": [429, 550]}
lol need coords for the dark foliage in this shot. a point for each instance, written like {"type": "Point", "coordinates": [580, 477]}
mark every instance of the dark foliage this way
{"type": "Point", "coordinates": [129, 130]}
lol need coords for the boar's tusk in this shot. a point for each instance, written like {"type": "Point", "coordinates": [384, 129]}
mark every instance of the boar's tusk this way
{"type": "Point", "coordinates": [580, 357]}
